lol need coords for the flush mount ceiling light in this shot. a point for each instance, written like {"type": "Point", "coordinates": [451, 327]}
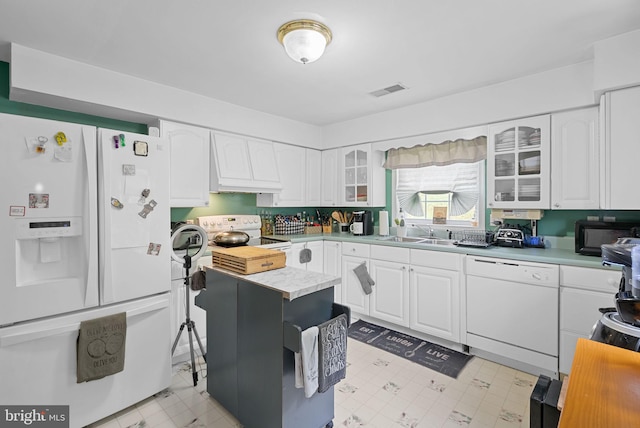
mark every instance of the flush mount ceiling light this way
{"type": "Point", "coordinates": [304, 40]}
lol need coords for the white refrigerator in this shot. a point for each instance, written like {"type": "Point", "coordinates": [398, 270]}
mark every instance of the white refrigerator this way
{"type": "Point", "coordinates": [85, 234]}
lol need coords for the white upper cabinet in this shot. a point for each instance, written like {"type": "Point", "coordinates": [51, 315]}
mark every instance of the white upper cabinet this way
{"type": "Point", "coordinates": [189, 173]}
{"type": "Point", "coordinates": [575, 166]}
{"type": "Point", "coordinates": [300, 175]}
{"type": "Point", "coordinates": [313, 177]}
{"type": "Point", "coordinates": [363, 177]}
{"type": "Point", "coordinates": [518, 163]}
{"type": "Point", "coordinates": [241, 164]}
{"type": "Point", "coordinates": [330, 178]}
{"type": "Point", "coordinates": [621, 149]}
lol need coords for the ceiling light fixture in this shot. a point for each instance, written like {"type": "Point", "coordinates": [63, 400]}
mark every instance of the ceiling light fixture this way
{"type": "Point", "coordinates": [304, 40]}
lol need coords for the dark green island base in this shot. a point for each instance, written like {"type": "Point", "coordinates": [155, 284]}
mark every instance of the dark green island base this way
{"type": "Point", "coordinates": [252, 333]}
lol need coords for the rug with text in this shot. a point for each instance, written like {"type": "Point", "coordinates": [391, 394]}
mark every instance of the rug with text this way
{"type": "Point", "coordinates": [436, 357]}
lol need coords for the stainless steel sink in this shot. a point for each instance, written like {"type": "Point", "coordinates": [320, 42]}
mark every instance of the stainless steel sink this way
{"type": "Point", "coordinates": [437, 241]}
{"type": "Point", "coordinates": [414, 239]}
{"type": "Point", "coordinates": [418, 240]}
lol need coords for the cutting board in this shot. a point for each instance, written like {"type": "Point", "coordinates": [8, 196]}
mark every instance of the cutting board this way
{"type": "Point", "coordinates": [247, 260]}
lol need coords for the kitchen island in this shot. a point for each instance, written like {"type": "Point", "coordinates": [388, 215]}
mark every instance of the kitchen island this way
{"type": "Point", "coordinates": [253, 326]}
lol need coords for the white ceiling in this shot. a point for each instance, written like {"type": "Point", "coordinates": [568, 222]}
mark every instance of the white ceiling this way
{"type": "Point", "coordinates": [228, 50]}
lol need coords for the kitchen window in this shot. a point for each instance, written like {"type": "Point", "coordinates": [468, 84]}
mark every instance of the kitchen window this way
{"type": "Point", "coordinates": [440, 183]}
{"type": "Point", "coordinates": [455, 193]}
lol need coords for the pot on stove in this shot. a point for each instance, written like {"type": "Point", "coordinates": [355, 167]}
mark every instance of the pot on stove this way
{"type": "Point", "coordinates": [231, 238]}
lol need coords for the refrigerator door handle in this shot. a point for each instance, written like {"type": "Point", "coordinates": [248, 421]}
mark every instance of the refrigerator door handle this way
{"type": "Point", "coordinates": [28, 336]}
{"type": "Point", "coordinates": [89, 137]}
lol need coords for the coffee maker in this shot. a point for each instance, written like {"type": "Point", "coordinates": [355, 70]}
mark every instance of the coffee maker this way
{"type": "Point", "coordinates": [362, 223]}
{"type": "Point", "coordinates": [620, 326]}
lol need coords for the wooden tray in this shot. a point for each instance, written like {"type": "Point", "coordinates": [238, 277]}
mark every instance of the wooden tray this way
{"type": "Point", "coordinates": [247, 260]}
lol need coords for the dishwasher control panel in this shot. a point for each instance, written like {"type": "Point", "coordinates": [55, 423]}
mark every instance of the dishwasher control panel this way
{"type": "Point", "coordinates": [514, 271]}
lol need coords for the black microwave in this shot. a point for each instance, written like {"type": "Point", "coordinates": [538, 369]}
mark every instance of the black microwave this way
{"type": "Point", "coordinates": [590, 235]}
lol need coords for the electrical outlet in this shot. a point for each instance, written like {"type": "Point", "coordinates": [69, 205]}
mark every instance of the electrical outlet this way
{"type": "Point", "coordinates": [609, 218]}
{"type": "Point", "coordinates": [593, 218]}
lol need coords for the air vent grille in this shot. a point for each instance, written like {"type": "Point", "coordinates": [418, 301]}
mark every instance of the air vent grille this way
{"type": "Point", "coordinates": [388, 90]}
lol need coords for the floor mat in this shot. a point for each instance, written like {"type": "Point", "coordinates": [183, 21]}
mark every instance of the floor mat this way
{"type": "Point", "coordinates": [436, 357]}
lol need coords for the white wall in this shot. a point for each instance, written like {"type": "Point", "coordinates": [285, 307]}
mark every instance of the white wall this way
{"type": "Point", "coordinates": [617, 62]}
{"type": "Point", "coordinates": [49, 80]}
{"type": "Point", "coordinates": [558, 89]}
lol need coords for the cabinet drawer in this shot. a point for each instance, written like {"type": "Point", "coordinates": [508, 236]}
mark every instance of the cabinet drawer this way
{"type": "Point", "coordinates": [436, 259]}
{"type": "Point", "coordinates": [355, 249]}
{"type": "Point", "coordinates": [606, 280]}
{"type": "Point", "coordinates": [391, 254]}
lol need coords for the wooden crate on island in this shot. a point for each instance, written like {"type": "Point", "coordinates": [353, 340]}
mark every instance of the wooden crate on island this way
{"type": "Point", "coordinates": [247, 260]}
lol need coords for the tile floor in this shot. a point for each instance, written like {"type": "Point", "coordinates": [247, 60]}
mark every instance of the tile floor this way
{"type": "Point", "coordinates": [381, 390]}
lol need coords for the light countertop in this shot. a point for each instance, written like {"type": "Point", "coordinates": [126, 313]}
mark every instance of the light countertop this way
{"type": "Point", "coordinates": [291, 282]}
{"type": "Point", "coordinates": [558, 256]}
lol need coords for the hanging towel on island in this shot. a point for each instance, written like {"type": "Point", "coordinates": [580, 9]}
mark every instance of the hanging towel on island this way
{"type": "Point", "coordinates": [101, 344]}
{"type": "Point", "coordinates": [365, 279]}
{"type": "Point", "coordinates": [332, 348]}
{"type": "Point", "coordinates": [306, 362]}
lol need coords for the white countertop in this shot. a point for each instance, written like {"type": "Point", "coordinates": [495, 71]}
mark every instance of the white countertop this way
{"type": "Point", "coordinates": [291, 282]}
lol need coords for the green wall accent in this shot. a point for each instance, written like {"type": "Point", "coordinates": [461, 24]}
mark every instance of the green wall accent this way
{"type": "Point", "coordinates": [554, 223]}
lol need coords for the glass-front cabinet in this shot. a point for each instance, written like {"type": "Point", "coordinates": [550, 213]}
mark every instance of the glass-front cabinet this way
{"type": "Point", "coordinates": [518, 163]}
{"type": "Point", "coordinates": [356, 185]}
{"type": "Point", "coordinates": [363, 177]}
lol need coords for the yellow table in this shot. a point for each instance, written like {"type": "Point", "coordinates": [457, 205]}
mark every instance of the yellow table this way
{"type": "Point", "coordinates": [604, 388]}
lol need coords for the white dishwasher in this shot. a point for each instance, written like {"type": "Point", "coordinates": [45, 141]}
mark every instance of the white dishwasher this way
{"type": "Point", "coordinates": [512, 312]}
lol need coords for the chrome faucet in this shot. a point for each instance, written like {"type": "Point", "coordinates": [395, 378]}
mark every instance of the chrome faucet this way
{"type": "Point", "coordinates": [429, 231]}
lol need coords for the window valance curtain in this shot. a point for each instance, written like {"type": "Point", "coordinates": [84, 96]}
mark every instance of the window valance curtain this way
{"type": "Point", "coordinates": [446, 153]}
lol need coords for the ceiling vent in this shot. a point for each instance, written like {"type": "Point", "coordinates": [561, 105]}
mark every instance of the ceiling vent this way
{"type": "Point", "coordinates": [389, 90]}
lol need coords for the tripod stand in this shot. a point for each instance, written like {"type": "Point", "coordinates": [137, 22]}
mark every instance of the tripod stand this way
{"type": "Point", "coordinates": [191, 326]}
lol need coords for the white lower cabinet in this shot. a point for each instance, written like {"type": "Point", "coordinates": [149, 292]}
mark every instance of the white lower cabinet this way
{"type": "Point", "coordinates": [332, 265]}
{"type": "Point", "coordinates": [315, 264]}
{"type": "Point", "coordinates": [434, 293]}
{"type": "Point", "coordinates": [582, 292]}
{"type": "Point", "coordinates": [353, 255]}
{"type": "Point", "coordinates": [389, 268]}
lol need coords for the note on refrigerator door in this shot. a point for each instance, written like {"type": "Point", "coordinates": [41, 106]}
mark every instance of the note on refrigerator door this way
{"type": "Point", "coordinates": [129, 229]}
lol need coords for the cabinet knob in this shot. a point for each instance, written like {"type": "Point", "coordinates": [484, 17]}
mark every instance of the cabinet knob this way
{"type": "Point", "coordinates": [490, 204]}
{"type": "Point", "coordinates": [556, 205]}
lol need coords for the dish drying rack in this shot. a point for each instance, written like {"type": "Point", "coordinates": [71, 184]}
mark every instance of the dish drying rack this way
{"type": "Point", "coordinates": [472, 238]}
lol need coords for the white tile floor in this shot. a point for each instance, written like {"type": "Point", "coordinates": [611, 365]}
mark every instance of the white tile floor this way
{"type": "Point", "coordinates": [381, 390]}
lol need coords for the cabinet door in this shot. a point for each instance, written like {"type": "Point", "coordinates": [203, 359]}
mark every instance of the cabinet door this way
{"type": "Point", "coordinates": [390, 298]}
{"type": "Point", "coordinates": [578, 314]}
{"type": "Point", "coordinates": [313, 178]}
{"type": "Point", "coordinates": [435, 302]}
{"type": "Point", "coordinates": [330, 178]}
{"type": "Point", "coordinates": [291, 164]}
{"type": "Point", "coordinates": [189, 174]}
{"type": "Point", "coordinates": [622, 148]}
{"type": "Point", "coordinates": [575, 166]}
{"type": "Point", "coordinates": [356, 165]}
{"type": "Point", "coordinates": [264, 166]}
{"type": "Point", "coordinates": [293, 256]}
{"type": "Point", "coordinates": [518, 163]}
{"type": "Point", "coordinates": [332, 263]}
{"type": "Point", "coordinates": [317, 256]}
{"type": "Point", "coordinates": [352, 293]}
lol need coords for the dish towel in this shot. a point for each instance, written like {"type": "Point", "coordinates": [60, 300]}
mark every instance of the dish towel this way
{"type": "Point", "coordinates": [101, 344]}
{"type": "Point", "coordinates": [306, 362]}
{"type": "Point", "coordinates": [365, 279]}
{"type": "Point", "coordinates": [332, 349]}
